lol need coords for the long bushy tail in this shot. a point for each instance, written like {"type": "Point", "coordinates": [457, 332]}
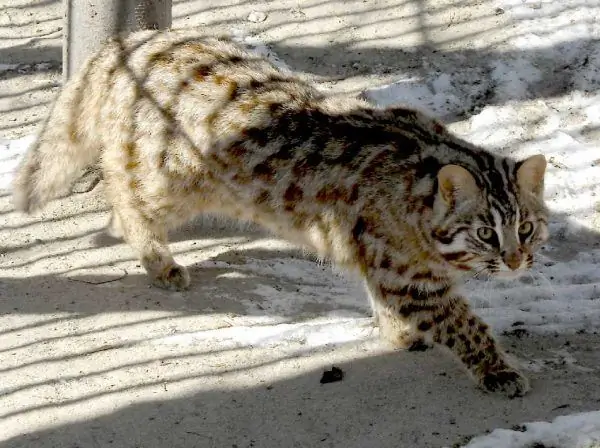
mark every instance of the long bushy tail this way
{"type": "Point", "coordinates": [58, 157]}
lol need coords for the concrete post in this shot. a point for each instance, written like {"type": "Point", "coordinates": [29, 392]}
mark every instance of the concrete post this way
{"type": "Point", "coordinates": [90, 22]}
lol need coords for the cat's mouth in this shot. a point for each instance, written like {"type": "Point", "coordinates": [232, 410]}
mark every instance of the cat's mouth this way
{"type": "Point", "coordinates": [504, 272]}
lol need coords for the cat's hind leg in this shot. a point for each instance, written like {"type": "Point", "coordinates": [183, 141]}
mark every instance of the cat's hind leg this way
{"type": "Point", "coordinates": [149, 239]}
{"type": "Point", "coordinates": [147, 236]}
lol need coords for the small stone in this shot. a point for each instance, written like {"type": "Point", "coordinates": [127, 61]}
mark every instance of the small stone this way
{"type": "Point", "coordinates": [256, 17]}
{"type": "Point", "coordinates": [499, 11]}
{"type": "Point", "coordinates": [333, 375]}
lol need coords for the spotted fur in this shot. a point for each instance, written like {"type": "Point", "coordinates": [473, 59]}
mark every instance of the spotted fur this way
{"type": "Point", "coordinates": [182, 124]}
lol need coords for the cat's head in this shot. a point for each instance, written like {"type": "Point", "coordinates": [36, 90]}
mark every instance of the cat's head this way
{"type": "Point", "coordinates": [492, 221]}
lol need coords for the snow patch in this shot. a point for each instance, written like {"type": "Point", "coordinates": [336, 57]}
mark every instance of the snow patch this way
{"type": "Point", "coordinates": [574, 431]}
{"type": "Point", "coordinates": [11, 153]}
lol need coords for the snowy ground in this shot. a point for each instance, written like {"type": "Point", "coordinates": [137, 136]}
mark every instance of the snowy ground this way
{"type": "Point", "coordinates": [272, 315]}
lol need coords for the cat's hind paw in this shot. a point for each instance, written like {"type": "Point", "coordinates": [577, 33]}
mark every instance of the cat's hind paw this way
{"type": "Point", "coordinates": [174, 277]}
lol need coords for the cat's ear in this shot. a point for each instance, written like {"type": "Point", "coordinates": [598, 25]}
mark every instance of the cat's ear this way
{"type": "Point", "coordinates": [456, 184]}
{"type": "Point", "coordinates": [530, 174]}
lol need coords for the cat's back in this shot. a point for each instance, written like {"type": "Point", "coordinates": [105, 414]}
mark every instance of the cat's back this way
{"type": "Point", "coordinates": [205, 86]}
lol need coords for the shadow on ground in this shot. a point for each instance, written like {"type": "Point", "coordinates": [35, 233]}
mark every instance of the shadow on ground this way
{"type": "Point", "coordinates": [416, 41]}
{"type": "Point", "coordinates": [390, 400]}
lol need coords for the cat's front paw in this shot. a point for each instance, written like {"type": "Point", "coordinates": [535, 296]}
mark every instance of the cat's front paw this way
{"type": "Point", "coordinates": [506, 380]}
{"type": "Point", "coordinates": [419, 345]}
{"type": "Point", "coordinates": [174, 277]}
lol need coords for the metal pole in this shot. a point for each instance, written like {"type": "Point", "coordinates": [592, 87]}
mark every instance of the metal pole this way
{"type": "Point", "coordinates": [88, 23]}
{"type": "Point", "coordinates": [91, 22]}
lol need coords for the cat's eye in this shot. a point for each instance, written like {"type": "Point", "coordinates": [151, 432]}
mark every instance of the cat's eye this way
{"type": "Point", "coordinates": [487, 234]}
{"type": "Point", "coordinates": [525, 229]}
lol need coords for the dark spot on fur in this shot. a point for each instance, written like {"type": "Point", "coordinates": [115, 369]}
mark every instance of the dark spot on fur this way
{"type": "Point", "coordinates": [220, 80]}
{"type": "Point", "coordinates": [263, 197]}
{"type": "Point", "coordinates": [455, 256]}
{"type": "Point", "coordinates": [450, 329]}
{"type": "Point", "coordinates": [421, 276]}
{"type": "Point", "coordinates": [258, 136]}
{"type": "Point", "coordinates": [474, 358]}
{"type": "Point", "coordinates": [408, 309]}
{"type": "Point", "coordinates": [418, 346]}
{"type": "Point", "coordinates": [233, 90]}
{"type": "Point", "coordinates": [201, 72]}
{"type": "Point", "coordinates": [237, 151]}
{"type": "Point", "coordinates": [359, 228]}
{"type": "Point", "coordinates": [285, 152]}
{"type": "Point", "coordinates": [417, 293]}
{"type": "Point", "coordinates": [385, 262]}
{"type": "Point", "coordinates": [131, 165]}
{"type": "Point", "coordinates": [134, 184]}
{"type": "Point", "coordinates": [450, 342]}
{"type": "Point", "coordinates": [353, 194]}
{"type": "Point", "coordinates": [468, 345]}
{"type": "Point", "coordinates": [293, 193]}
{"type": "Point", "coordinates": [161, 58]}
{"type": "Point", "coordinates": [439, 318]}
{"type": "Point", "coordinates": [274, 107]}
{"type": "Point", "coordinates": [313, 158]}
{"type": "Point", "coordinates": [424, 326]}
{"type": "Point", "coordinates": [299, 169]}
{"type": "Point", "coordinates": [263, 172]}
{"type": "Point", "coordinates": [350, 151]}
{"type": "Point", "coordinates": [362, 251]}
{"type": "Point", "coordinates": [428, 201]}
{"type": "Point", "coordinates": [130, 149]}
{"type": "Point", "coordinates": [420, 294]}
{"type": "Point", "coordinates": [301, 220]}
{"type": "Point", "coordinates": [211, 117]}
{"type": "Point", "coordinates": [328, 193]}
{"type": "Point", "coordinates": [162, 159]}
{"type": "Point", "coordinates": [241, 178]}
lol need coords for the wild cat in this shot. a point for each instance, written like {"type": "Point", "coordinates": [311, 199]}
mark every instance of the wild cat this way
{"type": "Point", "coordinates": [182, 124]}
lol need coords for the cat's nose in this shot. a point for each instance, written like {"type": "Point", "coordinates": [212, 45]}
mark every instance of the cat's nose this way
{"type": "Point", "coordinates": [513, 260]}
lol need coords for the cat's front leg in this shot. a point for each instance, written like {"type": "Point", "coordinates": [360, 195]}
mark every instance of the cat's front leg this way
{"type": "Point", "coordinates": [455, 326]}
{"type": "Point", "coordinates": [413, 313]}
{"type": "Point", "coordinates": [401, 333]}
